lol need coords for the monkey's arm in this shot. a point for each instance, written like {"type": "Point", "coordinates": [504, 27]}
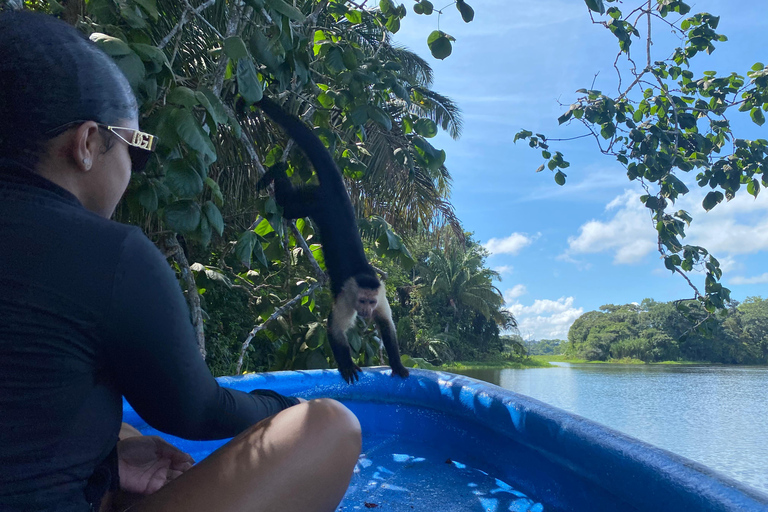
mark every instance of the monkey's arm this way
{"type": "Point", "coordinates": [382, 315]}
{"type": "Point", "coordinates": [338, 322]}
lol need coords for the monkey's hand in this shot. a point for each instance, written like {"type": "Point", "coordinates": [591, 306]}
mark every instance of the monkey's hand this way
{"type": "Point", "coordinates": [273, 173]}
{"type": "Point", "coordinates": [400, 371]}
{"type": "Point", "coordinates": [350, 373]}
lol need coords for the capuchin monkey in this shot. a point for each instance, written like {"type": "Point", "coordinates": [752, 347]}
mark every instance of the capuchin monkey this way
{"type": "Point", "coordinates": [356, 289]}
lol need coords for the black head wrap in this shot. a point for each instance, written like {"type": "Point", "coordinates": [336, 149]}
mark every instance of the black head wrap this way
{"type": "Point", "coordinates": [52, 75]}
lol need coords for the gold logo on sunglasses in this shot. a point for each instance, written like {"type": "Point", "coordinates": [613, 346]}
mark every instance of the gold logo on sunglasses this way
{"type": "Point", "coordinates": [142, 140]}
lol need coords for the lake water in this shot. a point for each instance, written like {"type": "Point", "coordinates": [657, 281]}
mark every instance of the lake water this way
{"type": "Point", "coordinates": [716, 415]}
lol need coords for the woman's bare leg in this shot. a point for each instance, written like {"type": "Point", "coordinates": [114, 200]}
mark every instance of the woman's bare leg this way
{"type": "Point", "coordinates": [298, 460]}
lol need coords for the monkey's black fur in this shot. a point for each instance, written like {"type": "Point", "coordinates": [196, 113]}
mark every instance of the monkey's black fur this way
{"type": "Point", "coordinates": [329, 206]}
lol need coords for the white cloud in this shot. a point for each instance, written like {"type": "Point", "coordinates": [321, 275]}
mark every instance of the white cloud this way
{"type": "Point", "coordinates": [629, 234]}
{"type": "Point", "coordinates": [517, 291]}
{"type": "Point", "coordinates": [546, 319]}
{"type": "Point", "coordinates": [749, 280]}
{"type": "Point", "coordinates": [513, 244]}
{"type": "Point", "coordinates": [730, 229]}
{"type": "Point", "coordinates": [504, 270]}
{"type": "Point", "coordinates": [739, 226]}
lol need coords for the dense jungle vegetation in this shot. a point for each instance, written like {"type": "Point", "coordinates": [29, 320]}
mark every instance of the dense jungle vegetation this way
{"type": "Point", "coordinates": [655, 332]}
{"type": "Point", "coordinates": [668, 331]}
{"type": "Point", "coordinates": [255, 283]}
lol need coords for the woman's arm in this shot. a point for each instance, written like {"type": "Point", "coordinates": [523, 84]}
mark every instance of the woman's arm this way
{"type": "Point", "coordinates": [153, 356]}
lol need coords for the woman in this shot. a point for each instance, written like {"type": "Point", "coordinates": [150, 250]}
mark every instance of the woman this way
{"type": "Point", "coordinates": [90, 312]}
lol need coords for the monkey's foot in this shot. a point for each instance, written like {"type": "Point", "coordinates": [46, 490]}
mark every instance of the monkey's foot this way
{"type": "Point", "coordinates": [350, 373]}
{"type": "Point", "coordinates": [400, 371]}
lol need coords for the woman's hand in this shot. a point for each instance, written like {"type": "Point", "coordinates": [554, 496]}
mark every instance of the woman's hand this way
{"type": "Point", "coordinates": [147, 463]}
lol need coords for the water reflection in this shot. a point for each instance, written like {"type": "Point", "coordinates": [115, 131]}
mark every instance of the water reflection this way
{"type": "Point", "coordinates": [717, 415]}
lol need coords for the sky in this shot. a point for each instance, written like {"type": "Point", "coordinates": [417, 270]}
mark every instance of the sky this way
{"type": "Point", "coordinates": [564, 251]}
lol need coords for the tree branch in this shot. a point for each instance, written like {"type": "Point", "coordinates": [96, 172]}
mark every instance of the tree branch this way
{"type": "Point", "coordinates": [304, 247]}
{"type": "Point", "coordinates": [278, 312]}
{"type": "Point", "coordinates": [184, 18]}
{"type": "Point", "coordinates": [233, 22]}
{"type": "Point", "coordinates": [173, 249]}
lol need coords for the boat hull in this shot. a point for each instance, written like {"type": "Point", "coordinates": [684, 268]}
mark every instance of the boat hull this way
{"type": "Point", "coordinates": [443, 442]}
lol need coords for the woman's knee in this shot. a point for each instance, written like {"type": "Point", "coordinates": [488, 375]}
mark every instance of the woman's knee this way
{"type": "Point", "coordinates": [333, 423]}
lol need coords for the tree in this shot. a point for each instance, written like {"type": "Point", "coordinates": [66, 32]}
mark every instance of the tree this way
{"type": "Point", "coordinates": [669, 121]}
{"type": "Point", "coordinates": [660, 331]}
{"type": "Point", "coordinates": [198, 69]}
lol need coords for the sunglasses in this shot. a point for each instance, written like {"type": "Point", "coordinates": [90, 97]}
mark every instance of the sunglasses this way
{"type": "Point", "coordinates": [141, 145]}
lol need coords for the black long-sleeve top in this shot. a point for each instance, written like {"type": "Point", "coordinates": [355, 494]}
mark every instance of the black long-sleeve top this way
{"type": "Point", "coordinates": [90, 311]}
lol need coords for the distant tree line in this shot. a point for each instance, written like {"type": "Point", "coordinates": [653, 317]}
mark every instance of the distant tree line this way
{"type": "Point", "coordinates": [545, 347]}
{"type": "Point", "coordinates": [673, 331]}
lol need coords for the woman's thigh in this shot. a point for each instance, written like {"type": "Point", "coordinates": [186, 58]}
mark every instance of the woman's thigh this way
{"type": "Point", "coordinates": [300, 459]}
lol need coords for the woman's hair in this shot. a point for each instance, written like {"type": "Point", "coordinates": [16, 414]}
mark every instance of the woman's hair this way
{"type": "Point", "coordinates": [52, 75]}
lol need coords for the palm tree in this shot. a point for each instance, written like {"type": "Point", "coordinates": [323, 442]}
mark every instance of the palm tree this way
{"type": "Point", "coordinates": [467, 286]}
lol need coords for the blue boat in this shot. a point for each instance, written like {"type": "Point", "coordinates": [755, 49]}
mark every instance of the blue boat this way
{"type": "Point", "coordinates": [439, 442]}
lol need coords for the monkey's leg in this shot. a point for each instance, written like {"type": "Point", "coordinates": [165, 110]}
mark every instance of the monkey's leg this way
{"type": "Point", "coordinates": [383, 318]}
{"type": "Point", "coordinates": [338, 323]}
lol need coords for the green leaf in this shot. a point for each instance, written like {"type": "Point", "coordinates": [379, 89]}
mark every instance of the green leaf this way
{"type": "Point", "coordinates": [204, 232]}
{"type": "Point", "coordinates": [214, 217]}
{"type": "Point", "coordinates": [439, 44]}
{"type": "Point", "coordinates": [286, 10]}
{"type": "Point", "coordinates": [378, 115]}
{"type": "Point", "coordinates": [189, 130]}
{"type": "Point", "coordinates": [258, 253]}
{"type": "Point", "coordinates": [607, 130]}
{"type": "Point", "coordinates": [757, 116]}
{"type": "Point", "coordinates": [386, 6]}
{"type": "Point", "coordinates": [596, 5]}
{"type": "Point", "coordinates": [133, 69]}
{"type": "Point", "coordinates": [560, 178]}
{"type": "Point", "coordinates": [244, 247]}
{"type": "Point", "coordinates": [183, 216]}
{"type": "Point", "coordinates": [359, 115]}
{"type": "Point", "coordinates": [712, 199]}
{"type": "Point", "coordinates": [182, 179]}
{"type": "Point", "coordinates": [425, 127]}
{"type": "Point", "coordinates": [218, 197]}
{"type": "Point", "coordinates": [317, 252]}
{"type": "Point", "coordinates": [467, 13]}
{"type": "Point", "coordinates": [147, 196]}
{"type": "Point", "coordinates": [248, 81]}
{"type": "Point", "coordinates": [334, 60]}
{"type": "Point", "coordinates": [753, 188]}
{"type": "Point", "coordinates": [316, 361]}
{"type": "Point", "coordinates": [112, 46]}
{"type": "Point", "coordinates": [349, 58]}
{"type": "Point", "coordinates": [183, 96]}
{"type": "Point", "coordinates": [150, 6]}
{"type": "Point", "coordinates": [235, 48]}
{"type": "Point", "coordinates": [150, 53]}
{"type": "Point", "coordinates": [264, 228]}
{"type": "Point", "coordinates": [354, 17]}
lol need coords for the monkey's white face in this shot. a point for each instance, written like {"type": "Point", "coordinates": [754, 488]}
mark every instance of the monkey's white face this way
{"type": "Point", "coordinates": [367, 300]}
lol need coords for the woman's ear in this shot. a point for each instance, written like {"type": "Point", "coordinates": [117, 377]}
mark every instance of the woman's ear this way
{"type": "Point", "coordinates": [86, 144]}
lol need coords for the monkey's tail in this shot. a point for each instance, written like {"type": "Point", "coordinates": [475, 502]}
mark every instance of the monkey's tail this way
{"type": "Point", "coordinates": [312, 146]}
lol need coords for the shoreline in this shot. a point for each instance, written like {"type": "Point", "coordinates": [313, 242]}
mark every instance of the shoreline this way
{"type": "Point", "coordinates": [528, 362]}
{"type": "Point", "coordinates": [543, 361]}
{"type": "Point", "coordinates": [560, 358]}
